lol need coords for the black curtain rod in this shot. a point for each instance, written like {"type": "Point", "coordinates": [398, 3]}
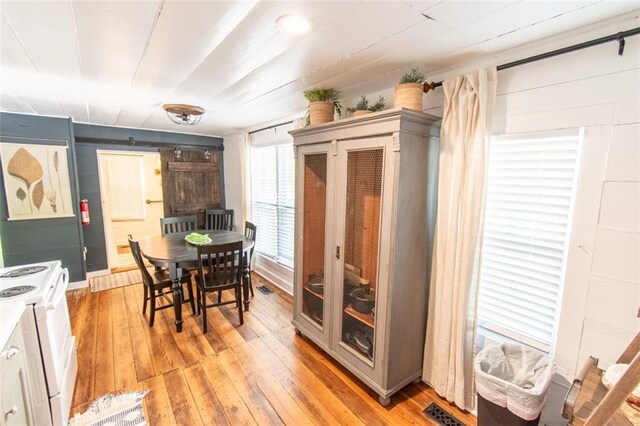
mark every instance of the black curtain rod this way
{"type": "Point", "coordinates": [270, 127]}
{"type": "Point", "coordinates": [619, 37]}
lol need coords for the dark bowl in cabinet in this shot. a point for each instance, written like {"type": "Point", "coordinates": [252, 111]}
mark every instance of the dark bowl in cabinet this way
{"type": "Point", "coordinates": [363, 299]}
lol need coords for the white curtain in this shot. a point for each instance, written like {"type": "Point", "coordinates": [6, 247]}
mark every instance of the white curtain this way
{"type": "Point", "coordinates": [244, 145]}
{"type": "Point", "coordinates": [464, 148]}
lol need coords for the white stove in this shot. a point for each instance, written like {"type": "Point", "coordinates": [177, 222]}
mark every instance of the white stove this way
{"type": "Point", "coordinates": [31, 282]}
{"type": "Point", "coordinates": [51, 349]}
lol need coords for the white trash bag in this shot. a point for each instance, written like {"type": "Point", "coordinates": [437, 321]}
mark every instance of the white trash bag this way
{"type": "Point", "coordinates": [514, 377]}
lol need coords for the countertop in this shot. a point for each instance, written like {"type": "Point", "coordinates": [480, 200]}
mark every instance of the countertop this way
{"type": "Point", "coordinates": [10, 314]}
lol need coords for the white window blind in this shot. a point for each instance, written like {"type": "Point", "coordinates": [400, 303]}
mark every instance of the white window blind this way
{"type": "Point", "coordinates": [272, 190]}
{"type": "Point", "coordinates": [123, 177]}
{"type": "Point", "coordinates": [530, 195]}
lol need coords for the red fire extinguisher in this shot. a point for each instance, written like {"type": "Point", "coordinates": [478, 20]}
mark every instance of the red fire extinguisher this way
{"type": "Point", "coordinates": [84, 212]}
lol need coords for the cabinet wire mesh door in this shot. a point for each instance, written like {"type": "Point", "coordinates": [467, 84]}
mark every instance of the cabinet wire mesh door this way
{"type": "Point", "coordinates": [314, 209]}
{"type": "Point", "coordinates": [361, 242]}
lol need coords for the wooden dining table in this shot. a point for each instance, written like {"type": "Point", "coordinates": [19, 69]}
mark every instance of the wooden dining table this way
{"type": "Point", "coordinates": [171, 251]}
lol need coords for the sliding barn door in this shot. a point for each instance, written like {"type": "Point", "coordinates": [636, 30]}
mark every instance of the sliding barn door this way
{"type": "Point", "coordinates": [191, 184]}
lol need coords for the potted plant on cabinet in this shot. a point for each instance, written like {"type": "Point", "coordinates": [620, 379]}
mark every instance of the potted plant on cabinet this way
{"type": "Point", "coordinates": [322, 102]}
{"type": "Point", "coordinates": [408, 93]}
{"type": "Point", "coordinates": [362, 106]}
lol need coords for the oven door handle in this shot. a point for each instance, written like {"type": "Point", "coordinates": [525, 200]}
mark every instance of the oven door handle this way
{"type": "Point", "coordinates": [59, 291]}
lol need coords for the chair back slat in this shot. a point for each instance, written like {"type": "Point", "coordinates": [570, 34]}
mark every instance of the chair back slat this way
{"type": "Point", "coordinates": [219, 219]}
{"type": "Point", "coordinates": [172, 225]}
{"type": "Point", "coordinates": [222, 262]}
{"type": "Point", "coordinates": [137, 256]}
{"type": "Point", "coordinates": [250, 232]}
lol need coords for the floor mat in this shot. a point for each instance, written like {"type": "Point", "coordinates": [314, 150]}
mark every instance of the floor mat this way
{"type": "Point", "coordinates": [120, 279]}
{"type": "Point", "coordinates": [440, 416]}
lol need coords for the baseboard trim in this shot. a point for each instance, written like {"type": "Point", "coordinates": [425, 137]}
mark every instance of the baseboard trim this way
{"type": "Point", "coordinates": [274, 279]}
{"type": "Point", "coordinates": [78, 285]}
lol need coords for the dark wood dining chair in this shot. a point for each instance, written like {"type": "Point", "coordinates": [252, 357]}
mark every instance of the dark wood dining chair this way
{"type": "Point", "coordinates": [250, 234]}
{"type": "Point", "coordinates": [219, 269]}
{"type": "Point", "coordinates": [172, 225]}
{"type": "Point", "coordinates": [158, 285]}
{"type": "Point", "coordinates": [219, 219]}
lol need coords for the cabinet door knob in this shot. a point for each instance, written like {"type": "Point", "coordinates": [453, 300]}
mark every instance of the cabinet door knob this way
{"type": "Point", "coordinates": [13, 410]}
{"type": "Point", "coordinates": [10, 353]}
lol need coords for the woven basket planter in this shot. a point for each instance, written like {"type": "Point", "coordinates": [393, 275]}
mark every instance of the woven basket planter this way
{"type": "Point", "coordinates": [360, 112]}
{"type": "Point", "coordinates": [320, 112]}
{"type": "Point", "coordinates": [408, 95]}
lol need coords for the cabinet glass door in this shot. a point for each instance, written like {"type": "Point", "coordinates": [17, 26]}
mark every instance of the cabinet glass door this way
{"type": "Point", "coordinates": [360, 249]}
{"type": "Point", "coordinates": [314, 202]}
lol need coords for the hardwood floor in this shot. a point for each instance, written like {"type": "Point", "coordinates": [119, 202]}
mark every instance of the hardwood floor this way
{"type": "Point", "coordinates": [259, 373]}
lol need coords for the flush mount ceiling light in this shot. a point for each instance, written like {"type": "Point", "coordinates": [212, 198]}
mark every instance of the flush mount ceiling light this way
{"type": "Point", "coordinates": [294, 24]}
{"type": "Point", "coordinates": [183, 114]}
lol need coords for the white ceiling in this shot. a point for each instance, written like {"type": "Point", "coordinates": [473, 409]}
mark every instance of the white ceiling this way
{"type": "Point", "coordinates": [116, 62]}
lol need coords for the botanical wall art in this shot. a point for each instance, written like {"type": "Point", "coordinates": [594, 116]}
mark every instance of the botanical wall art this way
{"type": "Point", "coordinates": [36, 181]}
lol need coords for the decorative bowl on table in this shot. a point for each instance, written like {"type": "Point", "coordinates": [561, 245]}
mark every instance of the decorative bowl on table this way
{"type": "Point", "coordinates": [198, 239]}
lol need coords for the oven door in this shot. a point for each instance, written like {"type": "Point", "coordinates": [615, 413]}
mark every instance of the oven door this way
{"type": "Point", "coordinates": [54, 331]}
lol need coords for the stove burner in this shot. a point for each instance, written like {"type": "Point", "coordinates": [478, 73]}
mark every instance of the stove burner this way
{"type": "Point", "coordinates": [17, 291]}
{"type": "Point", "coordinates": [26, 270]}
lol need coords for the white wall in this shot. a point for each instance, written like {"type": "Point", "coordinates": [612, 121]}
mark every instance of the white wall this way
{"type": "Point", "coordinates": [233, 176]}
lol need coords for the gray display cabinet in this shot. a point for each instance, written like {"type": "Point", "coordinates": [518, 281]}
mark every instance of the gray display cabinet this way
{"type": "Point", "coordinates": [365, 214]}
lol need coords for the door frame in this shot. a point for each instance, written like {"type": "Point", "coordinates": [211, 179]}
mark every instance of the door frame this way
{"type": "Point", "coordinates": [109, 239]}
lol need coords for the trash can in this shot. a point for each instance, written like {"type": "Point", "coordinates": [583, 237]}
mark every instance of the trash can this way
{"type": "Point", "coordinates": [512, 383]}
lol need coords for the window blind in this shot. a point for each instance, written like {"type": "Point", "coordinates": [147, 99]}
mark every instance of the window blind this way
{"type": "Point", "coordinates": [530, 195]}
{"type": "Point", "coordinates": [273, 195]}
{"type": "Point", "coordinates": [123, 184]}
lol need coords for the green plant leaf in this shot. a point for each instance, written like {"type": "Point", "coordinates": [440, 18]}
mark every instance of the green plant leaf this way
{"type": "Point", "coordinates": [321, 94]}
{"type": "Point", "coordinates": [413, 76]}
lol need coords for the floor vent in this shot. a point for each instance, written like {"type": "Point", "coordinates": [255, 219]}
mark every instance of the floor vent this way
{"type": "Point", "coordinates": [264, 289]}
{"type": "Point", "coordinates": [440, 416]}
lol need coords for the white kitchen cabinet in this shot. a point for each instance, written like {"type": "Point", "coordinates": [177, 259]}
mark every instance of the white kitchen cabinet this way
{"type": "Point", "coordinates": [15, 402]}
{"type": "Point", "coordinates": [365, 209]}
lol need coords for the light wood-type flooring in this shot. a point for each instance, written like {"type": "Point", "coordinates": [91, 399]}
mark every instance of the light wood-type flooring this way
{"type": "Point", "coordinates": [258, 373]}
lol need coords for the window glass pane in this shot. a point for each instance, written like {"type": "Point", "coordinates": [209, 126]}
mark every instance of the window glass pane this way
{"type": "Point", "coordinates": [286, 180]}
{"type": "Point", "coordinates": [265, 217]}
{"type": "Point", "coordinates": [272, 174]}
{"type": "Point", "coordinates": [264, 174]}
{"type": "Point", "coordinates": [530, 191]}
{"type": "Point", "coordinates": [123, 177]}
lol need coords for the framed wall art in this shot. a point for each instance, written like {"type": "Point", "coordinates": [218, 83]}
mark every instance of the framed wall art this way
{"type": "Point", "coordinates": [36, 180]}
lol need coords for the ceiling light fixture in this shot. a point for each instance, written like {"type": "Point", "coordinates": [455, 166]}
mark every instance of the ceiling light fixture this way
{"type": "Point", "coordinates": [183, 114]}
{"type": "Point", "coordinates": [294, 24]}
